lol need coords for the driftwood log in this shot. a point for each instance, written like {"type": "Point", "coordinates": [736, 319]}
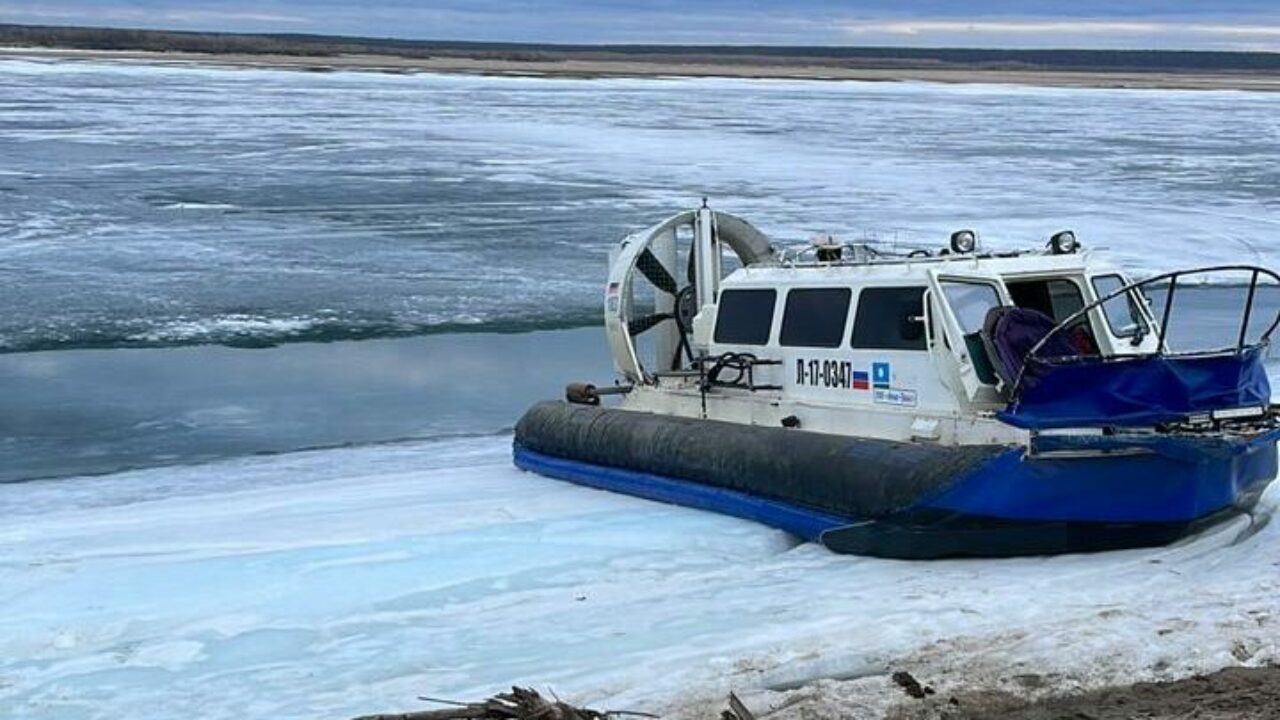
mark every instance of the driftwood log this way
{"type": "Point", "coordinates": [519, 704]}
{"type": "Point", "coordinates": [737, 710]}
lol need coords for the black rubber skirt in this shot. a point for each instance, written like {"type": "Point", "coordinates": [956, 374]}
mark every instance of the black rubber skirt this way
{"type": "Point", "coordinates": [845, 478]}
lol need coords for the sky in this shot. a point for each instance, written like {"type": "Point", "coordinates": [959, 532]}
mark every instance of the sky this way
{"type": "Point", "coordinates": [1204, 25]}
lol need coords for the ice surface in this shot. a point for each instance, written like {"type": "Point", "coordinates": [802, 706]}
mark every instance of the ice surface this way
{"type": "Point", "coordinates": [337, 582]}
{"type": "Point", "coordinates": [157, 205]}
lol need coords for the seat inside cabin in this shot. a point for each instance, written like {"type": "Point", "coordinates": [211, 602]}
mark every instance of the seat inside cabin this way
{"type": "Point", "coordinates": [1008, 334]}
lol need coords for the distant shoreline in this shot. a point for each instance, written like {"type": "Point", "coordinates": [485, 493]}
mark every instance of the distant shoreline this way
{"type": "Point", "coordinates": [657, 66]}
{"type": "Point", "coordinates": [1071, 68]}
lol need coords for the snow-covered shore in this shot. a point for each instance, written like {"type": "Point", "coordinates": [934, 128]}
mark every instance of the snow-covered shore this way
{"type": "Point", "coordinates": [339, 582]}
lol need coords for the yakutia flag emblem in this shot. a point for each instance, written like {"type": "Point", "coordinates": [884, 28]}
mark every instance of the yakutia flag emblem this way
{"type": "Point", "coordinates": [881, 374]}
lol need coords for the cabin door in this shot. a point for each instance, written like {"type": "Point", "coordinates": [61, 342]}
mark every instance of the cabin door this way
{"type": "Point", "coordinates": [961, 301]}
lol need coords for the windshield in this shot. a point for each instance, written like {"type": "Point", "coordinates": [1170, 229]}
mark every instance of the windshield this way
{"type": "Point", "coordinates": [1123, 312]}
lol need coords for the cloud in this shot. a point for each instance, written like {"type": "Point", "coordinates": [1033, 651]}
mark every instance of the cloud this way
{"type": "Point", "coordinates": [219, 16]}
{"type": "Point", "coordinates": [1226, 24]}
{"type": "Point", "coordinates": [1263, 33]}
{"type": "Point", "coordinates": [99, 15]}
{"type": "Point", "coordinates": [1053, 26]}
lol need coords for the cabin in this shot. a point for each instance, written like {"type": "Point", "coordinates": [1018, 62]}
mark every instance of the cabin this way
{"type": "Point", "coordinates": [905, 337]}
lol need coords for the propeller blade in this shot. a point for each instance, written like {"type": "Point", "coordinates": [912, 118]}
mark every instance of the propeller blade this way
{"type": "Point", "coordinates": [652, 269]}
{"type": "Point", "coordinates": [640, 324]}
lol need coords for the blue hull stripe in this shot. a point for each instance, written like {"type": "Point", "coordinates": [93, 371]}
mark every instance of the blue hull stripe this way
{"type": "Point", "coordinates": [808, 524]}
{"type": "Point", "coordinates": [1175, 480]}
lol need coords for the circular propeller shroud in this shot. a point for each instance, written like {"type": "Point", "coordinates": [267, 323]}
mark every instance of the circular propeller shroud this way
{"type": "Point", "coordinates": [649, 257]}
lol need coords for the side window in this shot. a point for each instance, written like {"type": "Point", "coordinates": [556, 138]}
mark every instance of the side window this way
{"type": "Point", "coordinates": [745, 317]}
{"type": "Point", "coordinates": [1123, 314]}
{"type": "Point", "coordinates": [970, 302]}
{"type": "Point", "coordinates": [889, 318]}
{"type": "Point", "coordinates": [815, 317]}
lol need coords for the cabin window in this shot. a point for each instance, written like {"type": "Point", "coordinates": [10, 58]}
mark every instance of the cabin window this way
{"type": "Point", "coordinates": [1058, 298]}
{"type": "Point", "coordinates": [745, 317]}
{"type": "Point", "coordinates": [1123, 314]}
{"type": "Point", "coordinates": [889, 318]}
{"type": "Point", "coordinates": [815, 317]}
{"type": "Point", "coordinates": [970, 302]}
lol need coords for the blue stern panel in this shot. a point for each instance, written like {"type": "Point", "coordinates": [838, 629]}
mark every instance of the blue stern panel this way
{"type": "Point", "coordinates": [1108, 479]}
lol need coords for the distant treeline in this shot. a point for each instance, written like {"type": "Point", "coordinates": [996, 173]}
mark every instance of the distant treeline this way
{"type": "Point", "coordinates": [87, 38]}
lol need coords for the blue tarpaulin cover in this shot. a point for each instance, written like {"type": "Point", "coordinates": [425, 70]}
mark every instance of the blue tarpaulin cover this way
{"type": "Point", "coordinates": [1138, 392]}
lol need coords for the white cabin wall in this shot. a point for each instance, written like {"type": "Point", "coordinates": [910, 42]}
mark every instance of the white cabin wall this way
{"type": "Point", "coordinates": [936, 405]}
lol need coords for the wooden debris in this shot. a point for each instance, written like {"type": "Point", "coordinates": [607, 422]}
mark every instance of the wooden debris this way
{"type": "Point", "coordinates": [737, 710]}
{"type": "Point", "coordinates": [519, 704]}
{"type": "Point", "coordinates": [911, 686]}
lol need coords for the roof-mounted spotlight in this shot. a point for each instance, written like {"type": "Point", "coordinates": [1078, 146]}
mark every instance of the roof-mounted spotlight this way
{"type": "Point", "coordinates": [964, 241]}
{"type": "Point", "coordinates": [1064, 243]}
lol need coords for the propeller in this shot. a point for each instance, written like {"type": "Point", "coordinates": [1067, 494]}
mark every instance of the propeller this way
{"type": "Point", "coordinates": [648, 289]}
{"type": "Point", "coordinates": [685, 302]}
{"type": "Point", "coordinates": [654, 272]}
{"type": "Point", "coordinates": [642, 324]}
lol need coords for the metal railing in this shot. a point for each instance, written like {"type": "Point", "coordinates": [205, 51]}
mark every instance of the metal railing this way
{"type": "Point", "coordinates": [1162, 328]}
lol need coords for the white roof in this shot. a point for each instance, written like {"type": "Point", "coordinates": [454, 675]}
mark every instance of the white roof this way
{"type": "Point", "coordinates": [899, 270]}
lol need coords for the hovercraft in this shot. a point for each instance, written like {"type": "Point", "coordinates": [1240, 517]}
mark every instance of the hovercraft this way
{"type": "Point", "coordinates": [915, 404]}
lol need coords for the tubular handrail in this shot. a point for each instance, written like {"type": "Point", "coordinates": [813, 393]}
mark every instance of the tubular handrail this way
{"type": "Point", "coordinates": [1255, 271]}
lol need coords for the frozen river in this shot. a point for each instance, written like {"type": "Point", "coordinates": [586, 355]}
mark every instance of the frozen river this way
{"type": "Point", "coordinates": [157, 206]}
{"type": "Point", "coordinates": [322, 530]}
